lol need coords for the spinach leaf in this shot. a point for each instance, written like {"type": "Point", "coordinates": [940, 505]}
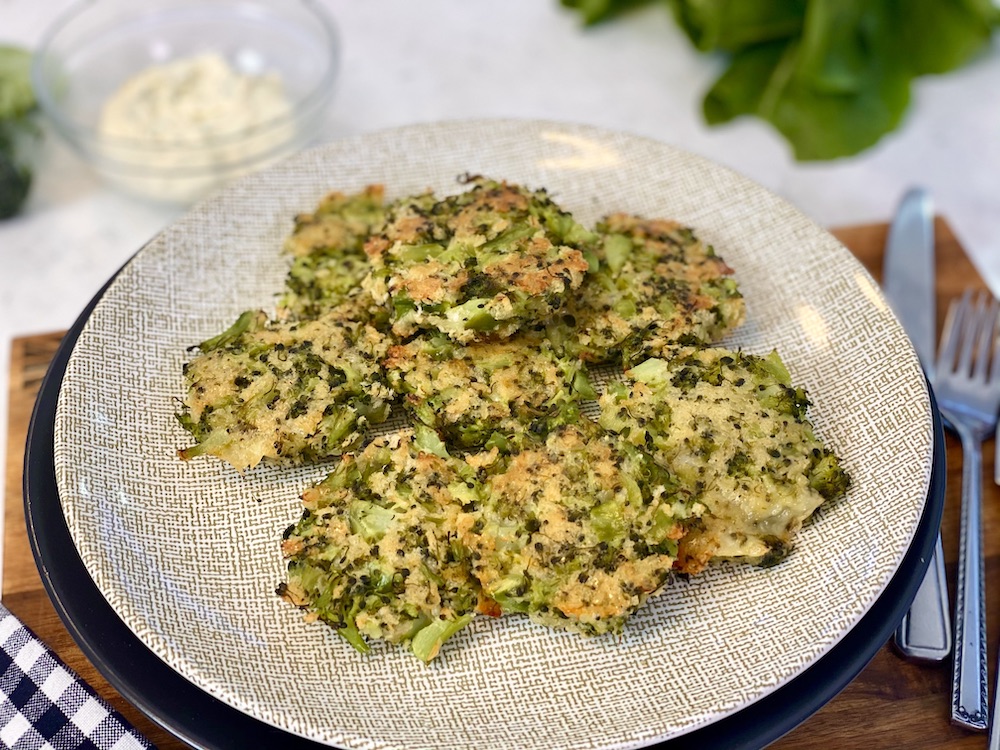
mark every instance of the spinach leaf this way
{"type": "Point", "coordinates": [833, 91]}
{"type": "Point", "coordinates": [733, 25]}
{"type": "Point", "coordinates": [595, 11]}
{"type": "Point", "coordinates": [741, 89]}
{"type": "Point", "coordinates": [832, 76]}
{"type": "Point", "coordinates": [15, 181]}
{"type": "Point", "coordinates": [941, 36]}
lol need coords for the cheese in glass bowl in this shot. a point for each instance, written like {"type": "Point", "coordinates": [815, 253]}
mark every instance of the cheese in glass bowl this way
{"type": "Point", "coordinates": [170, 99]}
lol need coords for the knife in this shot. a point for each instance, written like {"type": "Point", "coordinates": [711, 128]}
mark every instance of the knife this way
{"type": "Point", "coordinates": [924, 634]}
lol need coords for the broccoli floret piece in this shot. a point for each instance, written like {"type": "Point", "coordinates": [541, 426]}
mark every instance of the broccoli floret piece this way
{"type": "Point", "coordinates": [827, 476]}
{"type": "Point", "coordinates": [249, 321]}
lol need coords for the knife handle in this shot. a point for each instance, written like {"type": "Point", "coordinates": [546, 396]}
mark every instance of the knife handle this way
{"type": "Point", "coordinates": [924, 634]}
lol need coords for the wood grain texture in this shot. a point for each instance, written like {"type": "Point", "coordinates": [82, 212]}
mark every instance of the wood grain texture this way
{"type": "Point", "coordinates": [891, 704]}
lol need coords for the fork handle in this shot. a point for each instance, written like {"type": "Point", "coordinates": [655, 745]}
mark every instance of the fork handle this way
{"type": "Point", "coordinates": [969, 683]}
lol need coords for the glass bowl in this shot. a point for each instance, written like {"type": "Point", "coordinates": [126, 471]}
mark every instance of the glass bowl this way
{"type": "Point", "coordinates": [179, 149]}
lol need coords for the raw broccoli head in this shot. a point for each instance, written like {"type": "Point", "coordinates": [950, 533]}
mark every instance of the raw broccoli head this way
{"type": "Point", "coordinates": [15, 182]}
{"type": "Point", "coordinates": [17, 101]}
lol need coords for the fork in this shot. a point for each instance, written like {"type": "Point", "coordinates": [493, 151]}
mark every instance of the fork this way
{"type": "Point", "coordinates": [967, 387]}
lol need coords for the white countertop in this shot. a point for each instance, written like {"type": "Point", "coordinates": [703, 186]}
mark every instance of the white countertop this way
{"type": "Point", "coordinates": [407, 62]}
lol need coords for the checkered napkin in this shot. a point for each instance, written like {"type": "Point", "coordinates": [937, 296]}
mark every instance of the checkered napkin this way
{"type": "Point", "coordinates": [44, 705]}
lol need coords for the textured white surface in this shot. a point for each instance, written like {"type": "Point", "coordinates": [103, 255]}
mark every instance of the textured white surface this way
{"type": "Point", "coordinates": [188, 553]}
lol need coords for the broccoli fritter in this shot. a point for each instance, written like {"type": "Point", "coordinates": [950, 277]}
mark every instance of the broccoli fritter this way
{"type": "Point", "coordinates": [733, 428]}
{"type": "Point", "coordinates": [577, 531]}
{"type": "Point", "coordinates": [476, 264]}
{"type": "Point", "coordinates": [327, 249]}
{"type": "Point", "coordinates": [284, 392]}
{"type": "Point", "coordinates": [375, 554]}
{"type": "Point", "coordinates": [478, 313]}
{"type": "Point", "coordinates": [656, 286]}
{"type": "Point", "coordinates": [487, 392]}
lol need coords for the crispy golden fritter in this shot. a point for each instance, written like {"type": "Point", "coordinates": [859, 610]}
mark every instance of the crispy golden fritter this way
{"type": "Point", "coordinates": [732, 428]}
{"type": "Point", "coordinates": [478, 264]}
{"type": "Point", "coordinates": [375, 554]}
{"type": "Point", "coordinates": [657, 286]}
{"type": "Point", "coordinates": [284, 392]}
{"type": "Point", "coordinates": [327, 249]}
{"type": "Point", "coordinates": [576, 531]}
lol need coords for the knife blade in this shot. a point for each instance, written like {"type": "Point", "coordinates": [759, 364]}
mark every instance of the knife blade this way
{"type": "Point", "coordinates": [908, 273]}
{"type": "Point", "coordinates": [908, 281]}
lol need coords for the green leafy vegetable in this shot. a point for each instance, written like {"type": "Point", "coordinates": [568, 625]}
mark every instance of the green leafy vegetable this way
{"type": "Point", "coordinates": [17, 101]}
{"type": "Point", "coordinates": [595, 11]}
{"type": "Point", "coordinates": [833, 90]}
{"type": "Point", "coordinates": [832, 76]}
{"type": "Point", "coordinates": [734, 26]}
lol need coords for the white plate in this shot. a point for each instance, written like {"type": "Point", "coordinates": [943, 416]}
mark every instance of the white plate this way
{"type": "Point", "coordinates": [188, 554]}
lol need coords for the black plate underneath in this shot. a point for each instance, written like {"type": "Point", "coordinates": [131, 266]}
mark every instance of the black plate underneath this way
{"type": "Point", "coordinates": [204, 721]}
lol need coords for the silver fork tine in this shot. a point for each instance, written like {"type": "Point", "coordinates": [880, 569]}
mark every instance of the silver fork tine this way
{"type": "Point", "coordinates": [969, 333]}
{"type": "Point", "coordinates": [994, 318]}
{"type": "Point", "coordinates": [950, 335]}
{"type": "Point", "coordinates": [985, 337]}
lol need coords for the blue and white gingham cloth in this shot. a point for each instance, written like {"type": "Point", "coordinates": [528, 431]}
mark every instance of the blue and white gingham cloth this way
{"type": "Point", "coordinates": [44, 705]}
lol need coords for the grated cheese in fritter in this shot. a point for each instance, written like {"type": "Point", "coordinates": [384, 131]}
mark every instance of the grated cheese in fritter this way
{"type": "Point", "coordinates": [487, 392]}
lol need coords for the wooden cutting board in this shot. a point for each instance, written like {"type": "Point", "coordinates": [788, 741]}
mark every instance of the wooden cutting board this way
{"type": "Point", "coordinates": [891, 704]}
